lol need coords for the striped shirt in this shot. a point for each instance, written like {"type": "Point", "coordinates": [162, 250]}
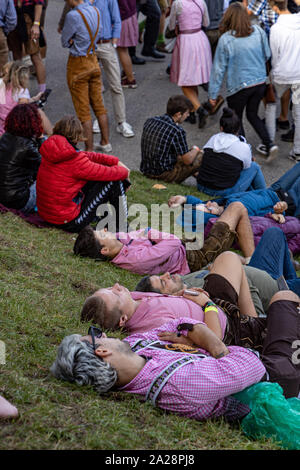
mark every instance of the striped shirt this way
{"type": "Point", "coordinates": [200, 388]}
{"type": "Point", "coordinates": [162, 142]}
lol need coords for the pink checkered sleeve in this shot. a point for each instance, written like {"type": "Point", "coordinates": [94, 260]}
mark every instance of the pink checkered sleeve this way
{"type": "Point", "coordinates": [201, 389]}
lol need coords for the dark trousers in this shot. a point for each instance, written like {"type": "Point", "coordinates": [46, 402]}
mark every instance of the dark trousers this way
{"type": "Point", "coordinates": [93, 195]}
{"type": "Point", "coordinates": [249, 99]}
{"type": "Point", "coordinates": [152, 12]}
{"type": "Point", "coordinates": [279, 355]}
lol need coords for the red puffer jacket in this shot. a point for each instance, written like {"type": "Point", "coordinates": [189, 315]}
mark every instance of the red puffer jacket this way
{"type": "Point", "coordinates": [62, 174]}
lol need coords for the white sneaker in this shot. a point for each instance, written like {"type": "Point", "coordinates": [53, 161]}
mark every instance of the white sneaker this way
{"type": "Point", "coordinates": [125, 129]}
{"type": "Point", "coordinates": [104, 148]}
{"type": "Point", "coordinates": [273, 152]}
{"type": "Point", "coordinates": [96, 129]}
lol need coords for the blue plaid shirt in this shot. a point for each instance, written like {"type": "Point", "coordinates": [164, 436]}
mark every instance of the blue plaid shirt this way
{"type": "Point", "coordinates": [266, 15]}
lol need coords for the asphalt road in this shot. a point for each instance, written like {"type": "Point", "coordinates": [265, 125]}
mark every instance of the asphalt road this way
{"type": "Point", "coordinates": [148, 99]}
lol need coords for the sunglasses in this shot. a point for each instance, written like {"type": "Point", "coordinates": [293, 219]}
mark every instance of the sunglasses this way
{"type": "Point", "coordinates": [94, 332]}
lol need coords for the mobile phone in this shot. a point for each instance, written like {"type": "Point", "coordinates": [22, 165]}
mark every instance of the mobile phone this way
{"type": "Point", "coordinates": [191, 292]}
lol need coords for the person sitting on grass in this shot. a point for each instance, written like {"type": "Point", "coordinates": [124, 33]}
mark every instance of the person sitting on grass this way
{"type": "Point", "coordinates": [227, 165]}
{"type": "Point", "coordinates": [72, 184]}
{"type": "Point", "coordinates": [20, 157]}
{"type": "Point", "coordinates": [183, 367]}
{"type": "Point", "coordinates": [165, 152]}
{"type": "Point", "coordinates": [154, 252]}
{"type": "Point", "coordinates": [281, 197]}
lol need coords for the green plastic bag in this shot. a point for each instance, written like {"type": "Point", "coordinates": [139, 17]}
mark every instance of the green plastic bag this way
{"type": "Point", "coordinates": [272, 415]}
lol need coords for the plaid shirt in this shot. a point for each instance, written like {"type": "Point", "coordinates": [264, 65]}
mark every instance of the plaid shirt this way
{"type": "Point", "coordinates": [266, 15]}
{"type": "Point", "coordinates": [162, 141]}
{"type": "Point", "coordinates": [200, 389]}
{"type": "Point", "coordinates": [29, 3]}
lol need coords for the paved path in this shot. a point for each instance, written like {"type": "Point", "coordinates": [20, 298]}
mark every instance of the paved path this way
{"type": "Point", "coordinates": [148, 99]}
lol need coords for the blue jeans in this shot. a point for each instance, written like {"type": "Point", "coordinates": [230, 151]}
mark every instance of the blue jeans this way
{"type": "Point", "coordinates": [249, 179]}
{"type": "Point", "coordinates": [31, 203]}
{"type": "Point", "coordinates": [272, 255]}
{"type": "Point", "coordinates": [290, 182]}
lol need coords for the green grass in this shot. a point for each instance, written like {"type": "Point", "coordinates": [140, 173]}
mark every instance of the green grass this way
{"type": "Point", "coordinates": [43, 287]}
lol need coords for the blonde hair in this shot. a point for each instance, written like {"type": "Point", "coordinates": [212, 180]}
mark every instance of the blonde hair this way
{"type": "Point", "coordinates": [16, 75]}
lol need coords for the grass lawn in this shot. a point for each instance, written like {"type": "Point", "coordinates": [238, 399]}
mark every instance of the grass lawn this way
{"type": "Point", "coordinates": [43, 287]}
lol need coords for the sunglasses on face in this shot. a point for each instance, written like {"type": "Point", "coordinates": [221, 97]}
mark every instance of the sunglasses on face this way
{"type": "Point", "coordinates": [94, 332]}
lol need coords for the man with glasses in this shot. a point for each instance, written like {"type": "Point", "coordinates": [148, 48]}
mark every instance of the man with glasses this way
{"type": "Point", "coordinates": [183, 366]}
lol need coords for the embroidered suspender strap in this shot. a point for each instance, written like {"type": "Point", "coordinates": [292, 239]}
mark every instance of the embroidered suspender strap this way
{"type": "Point", "coordinates": [142, 344]}
{"type": "Point", "coordinates": [160, 381]}
{"type": "Point", "coordinates": [92, 45]}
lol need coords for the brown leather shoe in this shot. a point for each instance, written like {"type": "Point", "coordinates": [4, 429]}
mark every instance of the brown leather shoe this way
{"type": "Point", "coordinates": [161, 47]}
{"type": "Point", "coordinates": [216, 107]}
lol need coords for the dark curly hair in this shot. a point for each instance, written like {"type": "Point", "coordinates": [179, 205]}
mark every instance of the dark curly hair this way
{"type": "Point", "coordinates": [24, 120]}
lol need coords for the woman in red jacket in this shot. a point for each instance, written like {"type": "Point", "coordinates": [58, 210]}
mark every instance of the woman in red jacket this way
{"type": "Point", "coordinates": [71, 184]}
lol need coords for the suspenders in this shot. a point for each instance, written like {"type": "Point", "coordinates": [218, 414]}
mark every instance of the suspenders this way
{"type": "Point", "coordinates": [92, 45]}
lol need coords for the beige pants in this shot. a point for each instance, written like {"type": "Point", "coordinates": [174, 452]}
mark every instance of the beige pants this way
{"type": "Point", "coordinates": [107, 55]}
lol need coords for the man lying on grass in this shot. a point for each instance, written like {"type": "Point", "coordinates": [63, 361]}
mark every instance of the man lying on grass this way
{"type": "Point", "coordinates": [183, 366]}
{"type": "Point", "coordinates": [154, 252]}
{"type": "Point", "coordinates": [225, 306]}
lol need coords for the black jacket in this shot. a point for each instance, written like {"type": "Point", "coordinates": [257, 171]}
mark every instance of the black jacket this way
{"type": "Point", "coordinates": [19, 163]}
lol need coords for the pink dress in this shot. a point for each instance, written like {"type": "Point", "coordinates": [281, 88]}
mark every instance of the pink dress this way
{"type": "Point", "coordinates": [7, 103]}
{"type": "Point", "coordinates": [191, 58]}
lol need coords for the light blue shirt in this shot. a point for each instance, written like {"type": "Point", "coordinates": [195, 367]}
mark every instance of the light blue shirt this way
{"type": "Point", "coordinates": [8, 15]}
{"type": "Point", "coordinates": [242, 60]}
{"type": "Point", "coordinates": [110, 20]}
{"type": "Point", "coordinates": [75, 29]}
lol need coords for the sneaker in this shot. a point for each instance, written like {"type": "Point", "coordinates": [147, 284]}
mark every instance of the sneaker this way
{"type": "Point", "coordinates": [127, 84]}
{"type": "Point", "coordinates": [96, 129]}
{"type": "Point", "coordinates": [285, 125]}
{"type": "Point", "coordinates": [272, 154]}
{"type": "Point", "coordinates": [104, 148]}
{"type": "Point", "coordinates": [289, 136]}
{"type": "Point", "coordinates": [294, 156]}
{"type": "Point", "coordinates": [125, 129]}
{"type": "Point", "coordinates": [261, 148]}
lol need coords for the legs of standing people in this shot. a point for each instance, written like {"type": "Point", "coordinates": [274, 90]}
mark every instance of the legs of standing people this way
{"type": "Point", "coordinates": [83, 76]}
{"type": "Point", "coordinates": [250, 99]}
{"type": "Point", "coordinates": [152, 12]}
{"type": "Point", "coordinates": [107, 55]}
{"type": "Point", "coordinates": [296, 118]}
{"type": "Point", "coordinates": [191, 92]}
{"type": "Point", "coordinates": [39, 66]}
{"type": "Point", "coordinates": [126, 63]}
{"type": "Point", "coordinates": [283, 336]}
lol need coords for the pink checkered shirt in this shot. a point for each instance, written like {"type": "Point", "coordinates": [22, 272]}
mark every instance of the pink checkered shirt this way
{"type": "Point", "coordinates": [199, 389]}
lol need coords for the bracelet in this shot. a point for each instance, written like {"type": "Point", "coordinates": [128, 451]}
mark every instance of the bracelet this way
{"type": "Point", "coordinates": [37, 23]}
{"type": "Point", "coordinates": [210, 307]}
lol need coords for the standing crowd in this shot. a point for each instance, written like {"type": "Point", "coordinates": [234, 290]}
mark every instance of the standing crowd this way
{"type": "Point", "coordinates": [204, 323]}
